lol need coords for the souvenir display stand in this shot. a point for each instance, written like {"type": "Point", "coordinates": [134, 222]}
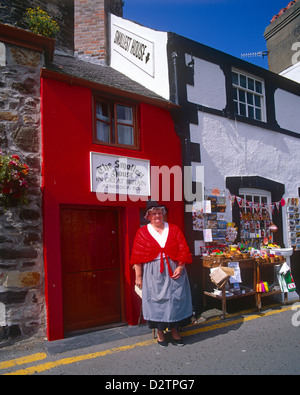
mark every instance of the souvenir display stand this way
{"type": "Point", "coordinates": [275, 290]}
{"type": "Point", "coordinates": [258, 287]}
{"type": "Point", "coordinates": [247, 268]}
{"type": "Point", "coordinates": [293, 223]}
{"type": "Point", "coordinates": [223, 294]}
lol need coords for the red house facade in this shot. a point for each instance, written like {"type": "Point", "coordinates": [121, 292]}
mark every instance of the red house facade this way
{"type": "Point", "coordinates": [87, 242]}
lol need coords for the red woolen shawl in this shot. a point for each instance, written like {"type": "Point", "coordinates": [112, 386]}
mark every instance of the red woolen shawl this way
{"type": "Point", "coordinates": [146, 248]}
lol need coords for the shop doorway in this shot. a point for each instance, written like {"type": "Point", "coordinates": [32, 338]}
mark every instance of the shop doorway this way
{"type": "Point", "coordinates": [91, 270]}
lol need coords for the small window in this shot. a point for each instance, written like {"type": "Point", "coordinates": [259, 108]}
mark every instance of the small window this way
{"type": "Point", "coordinates": [255, 215]}
{"type": "Point", "coordinates": [248, 96]}
{"type": "Point", "coordinates": [115, 124]}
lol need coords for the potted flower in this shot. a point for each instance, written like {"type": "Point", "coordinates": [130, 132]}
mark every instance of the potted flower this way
{"type": "Point", "coordinates": [13, 181]}
{"type": "Point", "coordinates": [41, 23]}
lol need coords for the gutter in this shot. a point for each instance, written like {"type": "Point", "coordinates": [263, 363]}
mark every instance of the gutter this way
{"type": "Point", "coordinates": [72, 80]}
{"type": "Point", "coordinates": [23, 38]}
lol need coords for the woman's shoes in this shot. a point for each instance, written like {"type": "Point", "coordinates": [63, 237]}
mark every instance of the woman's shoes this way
{"type": "Point", "coordinates": [162, 344]}
{"type": "Point", "coordinates": [177, 342]}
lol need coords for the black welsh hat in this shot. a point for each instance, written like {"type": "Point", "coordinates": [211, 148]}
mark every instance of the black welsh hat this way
{"type": "Point", "coordinates": [150, 204]}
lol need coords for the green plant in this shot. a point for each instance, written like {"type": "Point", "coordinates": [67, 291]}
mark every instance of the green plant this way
{"type": "Point", "coordinates": [40, 22]}
{"type": "Point", "coordinates": [13, 180]}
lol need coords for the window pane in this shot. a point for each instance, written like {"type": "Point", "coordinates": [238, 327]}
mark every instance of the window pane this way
{"type": "Point", "coordinates": [250, 98]}
{"type": "Point", "coordinates": [236, 109]}
{"type": "Point", "coordinates": [103, 111]}
{"type": "Point", "coordinates": [264, 199]}
{"type": "Point", "coordinates": [242, 95]}
{"type": "Point", "coordinates": [258, 114]}
{"type": "Point", "coordinates": [103, 132]}
{"type": "Point", "coordinates": [258, 87]}
{"type": "Point", "coordinates": [125, 135]}
{"type": "Point", "coordinates": [257, 101]}
{"type": "Point", "coordinates": [125, 114]}
{"type": "Point", "coordinates": [242, 109]}
{"type": "Point", "coordinates": [243, 81]}
{"type": "Point", "coordinates": [235, 78]}
{"type": "Point", "coordinates": [251, 84]}
{"type": "Point", "coordinates": [251, 112]}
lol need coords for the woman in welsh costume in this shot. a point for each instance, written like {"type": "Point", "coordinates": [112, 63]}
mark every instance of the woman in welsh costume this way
{"type": "Point", "coordinates": [159, 255]}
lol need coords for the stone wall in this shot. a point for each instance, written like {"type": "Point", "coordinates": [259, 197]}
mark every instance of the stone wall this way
{"type": "Point", "coordinates": [12, 13]}
{"type": "Point", "coordinates": [21, 249]}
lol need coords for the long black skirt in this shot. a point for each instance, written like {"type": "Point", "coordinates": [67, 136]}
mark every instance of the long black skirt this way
{"type": "Point", "coordinates": [162, 326]}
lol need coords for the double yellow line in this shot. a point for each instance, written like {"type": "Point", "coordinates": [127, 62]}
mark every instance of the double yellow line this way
{"type": "Point", "coordinates": [68, 361]}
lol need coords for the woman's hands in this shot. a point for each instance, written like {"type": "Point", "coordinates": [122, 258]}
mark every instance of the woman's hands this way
{"type": "Point", "coordinates": [177, 272]}
{"type": "Point", "coordinates": [139, 281]}
{"type": "Point", "coordinates": [139, 276]}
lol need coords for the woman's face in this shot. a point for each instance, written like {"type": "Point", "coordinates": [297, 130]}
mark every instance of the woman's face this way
{"type": "Point", "coordinates": [156, 217]}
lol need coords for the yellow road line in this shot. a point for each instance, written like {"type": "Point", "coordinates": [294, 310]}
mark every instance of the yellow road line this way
{"type": "Point", "coordinates": [234, 322]}
{"type": "Point", "coordinates": [67, 361]}
{"type": "Point", "coordinates": [23, 360]}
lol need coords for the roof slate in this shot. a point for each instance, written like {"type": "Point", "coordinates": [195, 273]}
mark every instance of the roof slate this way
{"type": "Point", "coordinates": [100, 74]}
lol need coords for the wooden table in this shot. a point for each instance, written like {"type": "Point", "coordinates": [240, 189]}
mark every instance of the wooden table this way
{"type": "Point", "coordinates": [249, 291]}
{"type": "Point", "coordinates": [259, 276]}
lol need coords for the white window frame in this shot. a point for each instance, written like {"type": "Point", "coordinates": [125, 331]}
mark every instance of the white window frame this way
{"type": "Point", "coordinates": [257, 192]}
{"type": "Point", "coordinates": [246, 90]}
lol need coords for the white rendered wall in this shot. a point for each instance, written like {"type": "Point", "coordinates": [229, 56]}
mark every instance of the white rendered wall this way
{"type": "Point", "coordinates": [287, 108]}
{"type": "Point", "coordinates": [231, 148]}
{"type": "Point", "coordinates": [147, 66]}
{"type": "Point", "coordinates": [293, 72]}
{"type": "Point", "coordinates": [209, 89]}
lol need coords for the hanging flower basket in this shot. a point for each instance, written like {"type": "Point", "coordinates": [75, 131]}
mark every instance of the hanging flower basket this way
{"type": "Point", "coordinates": [13, 181]}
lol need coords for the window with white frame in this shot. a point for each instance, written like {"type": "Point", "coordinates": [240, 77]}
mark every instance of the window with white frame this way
{"type": "Point", "coordinates": [255, 214]}
{"type": "Point", "coordinates": [248, 96]}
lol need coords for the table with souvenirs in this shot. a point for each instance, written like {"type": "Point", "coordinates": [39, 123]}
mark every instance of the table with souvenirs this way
{"type": "Point", "coordinates": [252, 267]}
{"type": "Point", "coordinates": [234, 274]}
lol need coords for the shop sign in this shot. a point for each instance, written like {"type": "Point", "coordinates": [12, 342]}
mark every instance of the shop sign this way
{"type": "Point", "coordinates": [120, 175]}
{"type": "Point", "coordinates": [138, 50]}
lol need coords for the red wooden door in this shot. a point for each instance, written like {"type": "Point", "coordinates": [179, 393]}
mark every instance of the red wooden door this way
{"type": "Point", "coordinates": [91, 268]}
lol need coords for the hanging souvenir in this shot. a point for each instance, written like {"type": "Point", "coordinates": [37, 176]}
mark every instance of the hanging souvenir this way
{"type": "Point", "coordinates": [240, 201]}
{"type": "Point", "coordinates": [273, 228]}
{"type": "Point", "coordinates": [232, 199]}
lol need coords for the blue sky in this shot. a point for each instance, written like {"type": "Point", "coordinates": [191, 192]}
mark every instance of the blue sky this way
{"type": "Point", "coordinates": [231, 26]}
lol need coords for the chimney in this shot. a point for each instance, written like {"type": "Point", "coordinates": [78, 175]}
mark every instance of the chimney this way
{"type": "Point", "coordinates": [91, 28]}
{"type": "Point", "coordinates": [282, 37]}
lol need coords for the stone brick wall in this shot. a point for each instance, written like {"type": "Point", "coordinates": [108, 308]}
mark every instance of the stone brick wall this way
{"type": "Point", "coordinates": [91, 28]}
{"type": "Point", "coordinates": [22, 299]}
{"type": "Point", "coordinates": [21, 246]}
{"type": "Point", "coordinates": [12, 13]}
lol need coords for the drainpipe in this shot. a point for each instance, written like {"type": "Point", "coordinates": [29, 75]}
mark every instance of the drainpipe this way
{"type": "Point", "coordinates": [174, 57]}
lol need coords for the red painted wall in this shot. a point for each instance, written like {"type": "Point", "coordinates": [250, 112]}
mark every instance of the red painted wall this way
{"type": "Point", "coordinates": [66, 146]}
